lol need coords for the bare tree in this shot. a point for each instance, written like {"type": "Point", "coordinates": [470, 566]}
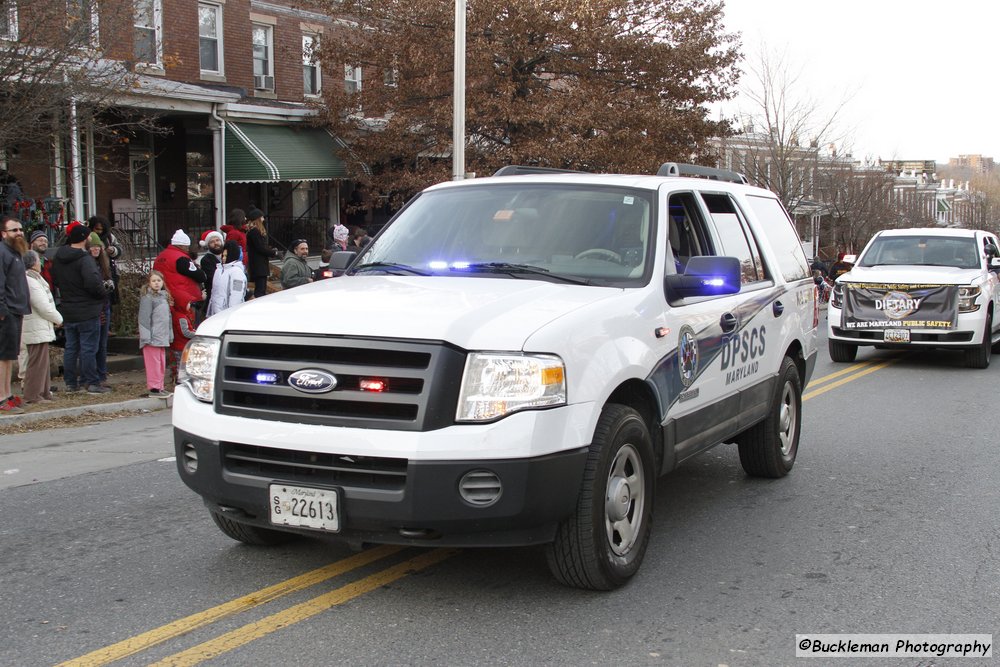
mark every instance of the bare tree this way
{"type": "Point", "coordinates": [603, 85]}
{"type": "Point", "coordinates": [858, 201]}
{"type": "Point", "coordinates": [52, 59]}
{"type": "Point", "coordinates": [786, 129]}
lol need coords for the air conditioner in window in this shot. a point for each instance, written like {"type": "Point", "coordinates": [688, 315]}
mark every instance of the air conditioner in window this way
{"type": "Point", "coordinates": [263, 82]}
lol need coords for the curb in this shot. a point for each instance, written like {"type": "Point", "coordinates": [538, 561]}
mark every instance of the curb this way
{"type": "Point", "coordinates": [150, 404]}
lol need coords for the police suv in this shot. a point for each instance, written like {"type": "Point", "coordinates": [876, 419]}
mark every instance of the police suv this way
{"type": "Point", "coordinates": [920, 288]}
{"type": "Point", "coordinates": [514, 360]}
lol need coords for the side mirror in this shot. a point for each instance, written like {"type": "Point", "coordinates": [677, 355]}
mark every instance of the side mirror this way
{"type": "Point", "coordinates": [704, 276]}
{"type": "Point", "coordinates": [995, 263]}
{"type": "Point", "coordinates": [340, 260]}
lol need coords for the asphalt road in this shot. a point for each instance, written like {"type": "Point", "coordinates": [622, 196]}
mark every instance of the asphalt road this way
{"type": "Point", "coordinates": [887, 524]}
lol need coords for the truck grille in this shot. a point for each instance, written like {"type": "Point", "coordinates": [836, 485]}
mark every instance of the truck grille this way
{"type": "Point", "coordinates": [369, 472]}
{"type": "Point", "coordinates": [417, 383]}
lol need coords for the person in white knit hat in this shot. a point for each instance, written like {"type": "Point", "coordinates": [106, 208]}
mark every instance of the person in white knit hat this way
{"type": "Point", "coordinates": [185, 281]}
{"type": "Point", "coordinates": [212, 241]}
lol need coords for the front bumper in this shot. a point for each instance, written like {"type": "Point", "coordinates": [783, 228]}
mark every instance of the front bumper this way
{"type": "Point", "coordinates": [968, 332]}
{"type": "Point", "coordinates": [419, 504]}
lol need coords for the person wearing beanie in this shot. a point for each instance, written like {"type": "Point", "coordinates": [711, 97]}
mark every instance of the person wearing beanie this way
{"type": "Point", "coordinates": [295, 270]}
{"type": "Point", "coordinates": [260, 253]}
{"type": "Point", "coordinates": [101, 226]}
{"type": "Point", "coordinates": [81, 288]}
{"type": "Point", "coordinates": [212, 241]}
{"type": "Point", "coordinates": [97, 250]}
{"type": "Point", "coordinates": [230, 280]}
{"type": "Point", "coordinates": [39, 242]}
{"type": "Point", "coordinates": [185, 281]}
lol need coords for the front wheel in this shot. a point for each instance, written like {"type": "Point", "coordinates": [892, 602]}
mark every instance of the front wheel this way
{"type": "Point", "coordinates": [842, 352]}
{"type": "Point", "coordinates": [248, 534]}
{"type": "Point", "coordinates": [979, 356]}
{"type": "Point", "coordinates": [602, 544]}
{"type": "Point", "coordinates": [768, 448]}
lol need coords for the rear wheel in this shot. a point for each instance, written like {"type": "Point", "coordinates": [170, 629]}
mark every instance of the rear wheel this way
{"type": "Point", "coordinates": [248, 534]}
{"type": "Point", "coordinates": [602, 544]}
{"type": "Point", "coordinates": [979, 356]}
{"type": "Point", "coordinates": [768, 448]}
{"type": "Point", "coordinates": [842, 352]}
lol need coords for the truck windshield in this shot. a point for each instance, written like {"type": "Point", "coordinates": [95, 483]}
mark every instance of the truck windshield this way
{"type": "Point", "coordinates": [556, 232]}
{"type": "Point", "coordinates": [959, 252]}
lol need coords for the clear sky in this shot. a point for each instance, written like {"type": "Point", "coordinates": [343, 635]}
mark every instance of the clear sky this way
{"type": "Point", "coordinates": [922, 76]}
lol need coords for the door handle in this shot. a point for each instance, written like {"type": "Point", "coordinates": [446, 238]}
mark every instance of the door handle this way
{"type": "Point", "coordinates": [728, 322]}
{"type": "Point", "coordinates": [778, 308]}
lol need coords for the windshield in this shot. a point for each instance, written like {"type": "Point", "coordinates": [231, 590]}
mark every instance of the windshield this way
{"type": "Point", "coordinates": [960, 252]}
{"type": "Point", "coordinates": [592, 235]}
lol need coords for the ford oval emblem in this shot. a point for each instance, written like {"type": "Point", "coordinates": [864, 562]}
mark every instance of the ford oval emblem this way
{"type": "Point", "coordinates": [312, 381]}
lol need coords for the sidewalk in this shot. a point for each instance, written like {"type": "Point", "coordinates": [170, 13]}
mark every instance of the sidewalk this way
{"type": "Point", "coordinates": [128, 396]}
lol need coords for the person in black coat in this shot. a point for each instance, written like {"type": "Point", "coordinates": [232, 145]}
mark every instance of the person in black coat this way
{"type": "Point", "coordinates": [258, 251]}
{"type": "Point", "coordinates": [82, 293]}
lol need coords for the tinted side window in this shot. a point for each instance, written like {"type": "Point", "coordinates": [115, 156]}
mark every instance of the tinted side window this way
{"type": "Point", "coordinates": [687, 234]}
{"type": "Point", "coordinates": [781, 235]}
{"type": "Point", "coordinates": [736, 239]}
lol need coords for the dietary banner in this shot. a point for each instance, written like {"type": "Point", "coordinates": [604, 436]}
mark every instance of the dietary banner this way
{"type": "Point", "coordinates": [880, 306]}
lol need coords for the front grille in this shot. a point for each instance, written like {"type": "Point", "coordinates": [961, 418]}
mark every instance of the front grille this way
{"type": "Point", "coordinates": [420, 381]}
{"type": "Point", "coordinates": [368, 472]}
{"type": "Point", "coordinates": [876, 335]}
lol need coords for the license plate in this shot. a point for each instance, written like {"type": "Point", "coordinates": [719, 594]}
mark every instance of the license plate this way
{"type": "Point", "coordinates": [304, 507]}
{"type": "Point", "coordinates": [897, 336]}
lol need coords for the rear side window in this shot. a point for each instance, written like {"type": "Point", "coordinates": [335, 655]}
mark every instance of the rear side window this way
{"type": "Point", "coordinates": [735, 237]}
{"type": "Point", "coordinates": [780, 233]}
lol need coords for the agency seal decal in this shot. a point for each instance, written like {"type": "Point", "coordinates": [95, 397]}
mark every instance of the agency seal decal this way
{"type": "Point", "coordinates": [897, 305]}
{"type": "Point", "coordinates": [312, 381]}
{"type": "Point", "coordinates": [687, 355]}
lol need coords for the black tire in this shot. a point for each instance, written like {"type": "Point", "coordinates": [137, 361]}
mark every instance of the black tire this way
{"type": "Point", "coordinates": [248, 534]}
{"type": "Point", "coordinates": [842, 352]}
{"type": "Point", "coordinates": [769, 448]}
{"type": "Point", "coordinates": [979, 356]}
{"type": "Point", "coordinates": [602, 544]}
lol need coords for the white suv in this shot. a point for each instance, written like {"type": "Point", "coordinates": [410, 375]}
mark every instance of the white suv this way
{"type": "Point", "coordinates": [920, 288]}
{"type": "Point", "coordinates": [513, 360]}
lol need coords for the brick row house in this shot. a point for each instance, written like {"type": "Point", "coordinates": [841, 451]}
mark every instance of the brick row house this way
{"type": "Point", "coordinates": [229, 90]}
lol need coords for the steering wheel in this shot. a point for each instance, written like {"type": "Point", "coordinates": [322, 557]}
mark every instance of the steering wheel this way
{"type": "Point", "coordinates": [601, 253]}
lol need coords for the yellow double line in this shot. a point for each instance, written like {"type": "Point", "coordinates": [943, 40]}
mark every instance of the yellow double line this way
{"type": "Point", "coordinates": [852, 372]}
{"type": "Point", "coordinates": [272, 623]}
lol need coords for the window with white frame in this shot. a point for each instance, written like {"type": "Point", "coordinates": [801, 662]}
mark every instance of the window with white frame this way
{"type": "Point", "coordinates": [312, 83]}
{"type": "Point", "coordinates": [263, 62]}
{"type": "Point", "coordinates": [210, 37]}
{"type": "Point", "coordinates": [82, 20]}
{"type": "Point", "coordinates": [147, 32]}
{"type": "Point", "coordinates": [8, 19]}
{"type": "Point", "coordinates": [352, 78]}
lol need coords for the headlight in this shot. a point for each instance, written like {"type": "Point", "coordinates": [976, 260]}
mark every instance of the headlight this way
{"type": "Point", "coordinates": [197, 367]}
{"type": "Point", "coordinates": [967, 299]}
{"type": "Point", "coordinates": [837, 297]}
{"type": "Point", "coordinates": [497, 384]}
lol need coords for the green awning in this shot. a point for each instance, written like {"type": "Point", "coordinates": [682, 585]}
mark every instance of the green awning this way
{"type": "Point", "coordinates": [272, 153]}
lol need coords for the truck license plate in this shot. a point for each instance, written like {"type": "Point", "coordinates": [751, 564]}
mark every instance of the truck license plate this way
{"type": "Point", "coordinates": [304, 507]}
{"type": "Point", "coordinates": [897, 336]}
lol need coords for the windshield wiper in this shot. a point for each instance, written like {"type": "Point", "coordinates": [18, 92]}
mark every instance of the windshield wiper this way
{"type": "Point", "coordinates": [520, 269]}
{"type": "Point", "coordinates": [392, 268]}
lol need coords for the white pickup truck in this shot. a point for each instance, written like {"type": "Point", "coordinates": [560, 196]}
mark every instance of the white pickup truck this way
{"type": "Point", "coordinates": [920, 288]}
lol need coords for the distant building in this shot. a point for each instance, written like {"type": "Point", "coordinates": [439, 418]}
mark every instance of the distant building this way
{"type": "Point", "coordinates": [926, 167]}
{"type": "Point", "coordinates": [976, 163]}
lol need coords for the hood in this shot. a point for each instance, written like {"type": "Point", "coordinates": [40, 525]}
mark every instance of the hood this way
{"type": "Point", "coordinates": [473, 313]}
{"type": "Point", "coordinates": [910, 275]}
{"type": "Point", "coordinates": [68, 254]}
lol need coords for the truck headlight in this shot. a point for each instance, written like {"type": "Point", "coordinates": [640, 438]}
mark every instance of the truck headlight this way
{"type": "Point", "coordinates": [837, 296]}
{"type": "Point", "coordinates": [967, 296]}
{"type": "Point", "coordinates": [497, 384]}
{"type": "Point", "coordinates": [197, 367]}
